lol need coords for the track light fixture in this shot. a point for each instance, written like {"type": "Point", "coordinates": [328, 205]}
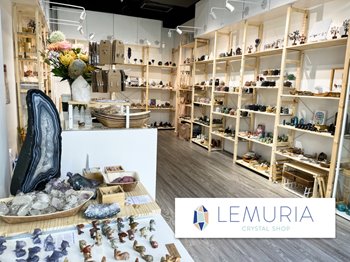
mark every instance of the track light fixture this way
{"type": "Point", "coordinates": [191, 29]}
{"type": "Point", "coordinates": [229, 7]}
{"type": "Point", "coordinates": [169, 32]}
{"type": "Point", "coordinates": [80, 29]}
{"type": "Point", "coordinates": [212, 14]}
{"type": "Point", "coordinates": [91, 36]}
{"type": "Point", "coordinates": [178, 30]}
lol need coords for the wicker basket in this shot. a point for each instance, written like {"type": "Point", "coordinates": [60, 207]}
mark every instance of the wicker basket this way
{"type": "Point", "coordinates": [137, 120]}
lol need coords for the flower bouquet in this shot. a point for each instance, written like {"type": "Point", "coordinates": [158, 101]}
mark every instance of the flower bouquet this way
{"type": "Point", "coordinates": [71, 64]}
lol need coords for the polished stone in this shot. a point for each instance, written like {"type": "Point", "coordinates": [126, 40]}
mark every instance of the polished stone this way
{"type": "Point", "coordinates": [40, 156]}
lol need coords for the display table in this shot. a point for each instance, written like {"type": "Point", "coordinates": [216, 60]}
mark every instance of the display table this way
{"type": "Point", "coordinates": [65, 229]}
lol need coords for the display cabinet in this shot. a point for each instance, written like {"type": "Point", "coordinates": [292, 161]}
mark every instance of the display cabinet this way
{"type": "Point", "coordinates": [30, 33]}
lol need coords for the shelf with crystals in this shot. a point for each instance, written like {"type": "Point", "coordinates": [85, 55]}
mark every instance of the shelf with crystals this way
{"type": "Point", "coordinates": [319, 44]}
{"type": "Point", "coordinates": [311, 97]}
{"type": "Point", "coordinates": [323, 134]}
{"type": "Point", "coordinates": [222, 135]}
{"type": "Point", "coordinates": [223, 114]}
{"type": "Point", "coordinates": [247, 165]}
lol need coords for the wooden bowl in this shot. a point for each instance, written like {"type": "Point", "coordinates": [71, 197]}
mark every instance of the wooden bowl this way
{"type": "Point", "coordinates": [59, 214]}
{"type": "Point", "coordinates": [127, 187]}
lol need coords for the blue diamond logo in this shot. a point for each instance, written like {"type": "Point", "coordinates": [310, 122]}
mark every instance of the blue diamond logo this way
{"type": "Point", "coordinates": [201, 218]}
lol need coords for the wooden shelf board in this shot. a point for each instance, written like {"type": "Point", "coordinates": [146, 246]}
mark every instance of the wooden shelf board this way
{"type": "Point", "coordinates": [320, 44]}
{"type": "Point", "coordinates": [226, 93]}
{"type": "Point", "coordinates": [25, 34]}
{"type": "Point", "coordinates": [185, 120]}
{"type": "Point", "coordinates": [162, 89]}
{"type": "Point", "coordinates": [295, 192]}
{"type": "Point", "coordinates": [136, 87]}
{"type": "Point", "coordinates": [188, 105]}
{"type": "Point", "coordinates": [131, 65]}
{"type": "Point", "coordinates": [313, 97]}
{"type": "Point", "coordinates": [196, 141]}
{"type": "Point", "coordinates": [255, 141]}
{"type": "Point", "coordinates": [229, 58]}
{"type": "Point", "coordinates": [185, 90]}
{"type": "Point", "coordinates": [245, 164]}
{"type": "Point", "coordinates": [268, 52]}
{"type": "Point", "coordinates": [258, 112]}
{"type": "Point", "coordinates": [306, 131]}
{"type": "Point", "coordinates": [210, 61]}
{"type": "Point", "coordinates": [229, 138]}
{"type": "Point", "coordinates": [315, 172]}
{"type": "Point", "coordinates": [202, 104]}
{"type": "Point", "coordinates": [162, 66]}
{"type": "Point", "coordinates": [192, 44]}
{"type": "Point", "coordinates": [199, 123]}
{"type": "Point", "coordinates": [262, 87]}
{"type": "Point", "coordinates": [28, 59]}
{"type": "Point", "coordinates": [226, 115]}
{"type": "Point", "coordinates": [165, 128]}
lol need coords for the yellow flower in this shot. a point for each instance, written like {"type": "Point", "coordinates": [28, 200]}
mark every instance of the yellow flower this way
{"type": "Point", "coordinates": [84, 57]}
{"type": "Point", "coordinates": [66, 59]}
{"type": "Point", "coordinates": [72, 54]}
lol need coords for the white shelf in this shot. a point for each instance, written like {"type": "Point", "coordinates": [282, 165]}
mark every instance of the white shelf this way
{"type": "Point", "coordinates": [313, 97]}
{"type": "Point", "coordinates": [229, 138]}
{"type": "Point", "coordinates": [328, 135]}
{"type": "Point", "coordinates": [185, 120]}
{"type": "Point", "coordinates": [201, 124]}
{"type": "Point", "coordinates": [303, 162]}
{"type": "Point", "coordinates": [225, 115]}
{"type": "Point", "coordinates": [197, 141]}
{"type": "Point", "coordinates": [255, 141]}
{"type": "Point", "coordinates": [258, 112]}
{"type": "Point", "coordinates": [261, 172]}
{"type": "Point", "coordinates": [226, 93]}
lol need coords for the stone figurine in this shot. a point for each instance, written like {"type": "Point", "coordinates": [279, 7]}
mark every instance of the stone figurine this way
{"type": "Point", "coordinates": [118, 255]}
{"type": "Point", "coordinates": [152, 224]}
{"type": "Point", "coordinates": [334, 32]}
{"type": "Point", "coordinates": [138, 248]}
{"type": "Point", "coordinates": [144, 232]}
{"type": "Point", "coordinates": [120, 224]}
{"type": "Point", "coordinates": [153, 242]}
{"type": "Point", "coordinates": [147, 258]}
{"type": "Point", "coordinates": [79, 228]}
{"type": "Point", "coordinates": [121, 236]}
{"type": "Point", "coordinates": [40, 158]}
{"type": "Point", "coordinates": [346, 27]}
{"type": "Point", "coordinates": [131, 234]}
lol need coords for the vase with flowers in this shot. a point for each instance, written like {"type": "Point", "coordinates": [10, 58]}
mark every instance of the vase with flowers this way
{"type": "Point", "coordinates": [71, 64]}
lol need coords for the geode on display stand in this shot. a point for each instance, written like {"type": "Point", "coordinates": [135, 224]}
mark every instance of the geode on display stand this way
{"type": "Point", "coordinates": [40, 156]}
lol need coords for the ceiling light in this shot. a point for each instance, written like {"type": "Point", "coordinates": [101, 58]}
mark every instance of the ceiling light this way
{"type": "Point", "coordinates": [163, 44]}
{"type": "Point", "coordinates": [80, 29]}
{"type": "Point", "coordinates": [91, 36]}
{"type": "Point", "coordinates": [229, 7]}
{"type": "Point", "coordinates": [169, 33]}
{"type": "Point", "coordinates": [212, 15]}
{"type": "Point", "coordinates": [82, 16]}
{"type": "Point", "coordinates": [178, 30]}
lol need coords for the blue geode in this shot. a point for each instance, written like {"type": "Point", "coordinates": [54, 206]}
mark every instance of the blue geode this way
{"type": "Point", "coordinates": [40, 156]}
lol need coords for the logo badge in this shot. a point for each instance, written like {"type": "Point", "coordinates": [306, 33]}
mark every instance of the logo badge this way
{"type": "Point", "coordinates": [201, 217]}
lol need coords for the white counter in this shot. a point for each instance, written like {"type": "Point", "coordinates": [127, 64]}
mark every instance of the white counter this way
{"type": "Point", "coordinates": [133, 149]}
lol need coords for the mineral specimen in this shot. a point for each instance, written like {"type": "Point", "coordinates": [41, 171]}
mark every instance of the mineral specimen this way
{"type": "Point", "coordinates": [120, 224]}
{"type": "Point", "coordinates": [40, 157]}
{"type": "Point", "coordinates": [55, 256]}
{"type": "Point", "coordinates": [101, 211]}
{"type": "Point", "coordinates": [49, 244]}
{"type": "Point", "coordinates": [153, 242]}
{"type": "Point", "coordinates": [35, 236]}
{"type": "Point", "coordinates": [147, 258]}
{"type": "Point", "coordinates": [78, 182]}
{"type": "Point", "coordinates": [64, 246]}
{"type": "Point", "coordinates": [138, 248]}
{"type": "Point", "coordinates": [152, 224]}
{"type": "Point", "coordinates": [118, 255]}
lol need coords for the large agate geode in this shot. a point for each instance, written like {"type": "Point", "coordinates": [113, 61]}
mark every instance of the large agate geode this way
{"type": "Point", "coordinates": [40, 156]}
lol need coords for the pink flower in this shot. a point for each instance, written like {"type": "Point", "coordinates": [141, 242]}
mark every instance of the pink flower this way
{"type": "Point", "coordinates": [59, 46]}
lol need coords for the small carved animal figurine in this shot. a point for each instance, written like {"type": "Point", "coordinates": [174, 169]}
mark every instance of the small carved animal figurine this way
{"type": "Point", "coordinates": [55, 256]}
{"type": "Point", "coordinates": [87, 251]}
{"type": "Point", "coordinates": [131, 219]}
{"type": "Point", "coordinates": [93, 232]}
{"type": "Point", "coordinates": [113, 243]}
{"type": "Point", "coordinates": [64, 246]}
{"type": "Point", "coordinates": [20, 252]}
{"type": "Point", "coordinates": [79, 228]}
{"type": "Point", "coordinates": [152, 224]}
{"type": "Point", "coordinates": [121, 237]}
{"type": "Point", "coordinates": [120, 224]}
{"type": "Point", "coordinates": [144, 232]}
{"type": "Point", "coordinates": [137, 259]}
{"type": "Point", "coordinates": [147, 258]}
{"type": "Point", "coordinates": [104, 259]}
{"type": "Point", "coordinates": [169, 258]}
{"type": "Point", "coordinates": [95, 224]}
{"type": "Point", "coordinates": [98, 238]}
{"type": "Point", "coordinates": [133, 226]}
{"type": "Point", "coordinates": [140, 249]}
{"type": "Point", "coordinates": [118, 255]}
{"type": "Point", "coordinates": [35, 236]}
{"type": "Point", "coordinates": [82, 244]}
{"type": "Point", "coordinates": [131, 234]}
{"type": "Point", "coordinates": [153, 242]}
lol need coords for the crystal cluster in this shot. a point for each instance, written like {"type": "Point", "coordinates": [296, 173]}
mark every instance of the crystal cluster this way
{"type": "Point", "coordinates": [100, 211]}
{"type": "Point", "coordinates": [57, 196]}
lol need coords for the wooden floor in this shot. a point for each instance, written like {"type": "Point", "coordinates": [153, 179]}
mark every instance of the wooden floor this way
{"type": "Point", "coordinates": [187, 170]}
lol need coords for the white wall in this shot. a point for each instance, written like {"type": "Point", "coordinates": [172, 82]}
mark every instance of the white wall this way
{"type": "Point", "coordinates": [4, 159]}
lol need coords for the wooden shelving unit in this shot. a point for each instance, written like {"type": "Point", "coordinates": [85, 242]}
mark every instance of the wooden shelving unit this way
{"type": "Point", "coordinates": [287, 56]}
{"type": "Point", "coordinates": [30, 70]}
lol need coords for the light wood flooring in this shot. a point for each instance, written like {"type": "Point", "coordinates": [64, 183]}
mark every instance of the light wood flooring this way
{"type": "Point", "coordinates": [187, 170]}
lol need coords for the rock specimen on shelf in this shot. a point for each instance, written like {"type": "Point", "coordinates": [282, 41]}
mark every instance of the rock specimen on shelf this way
{"type": "Point", "coordinates": [40, 157]}
{"type": "Point", "coordinates": [101, 211]}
